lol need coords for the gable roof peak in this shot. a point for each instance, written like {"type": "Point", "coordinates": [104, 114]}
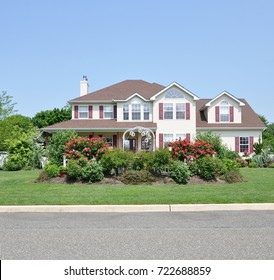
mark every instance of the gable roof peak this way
{"type": "Point", "coordinates": [194, 96]}
{"type": "Point", "coordinates": [229, 95]}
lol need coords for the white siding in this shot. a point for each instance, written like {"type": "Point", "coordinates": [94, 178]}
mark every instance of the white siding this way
{"type": "Point", "coordinates": [210, 114]}
{"type": "Point", "coordinates": [175, 126]}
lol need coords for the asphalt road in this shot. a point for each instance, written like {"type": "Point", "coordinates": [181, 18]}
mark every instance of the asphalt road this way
{"type": "Point", "coordinates": [182, 235]}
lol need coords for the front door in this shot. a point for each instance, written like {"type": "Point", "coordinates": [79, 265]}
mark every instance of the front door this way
{"type": "Point", "coordinates": [132, 145]}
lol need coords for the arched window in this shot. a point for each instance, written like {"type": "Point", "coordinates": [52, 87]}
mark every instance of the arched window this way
{"type": "Point", "coordinates": [174, 93]}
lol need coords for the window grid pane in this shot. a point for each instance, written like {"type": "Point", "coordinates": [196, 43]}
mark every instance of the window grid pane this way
{"type": "Point", "coordinates": [244, 144]}
{"type": "Point", "coordinates": [146, 111]}
{"type": "Point", "coordinates": [126, 112]}
{"type": "Point", "coordinates": [108, 112]}
{"type": "Point", "coordinates": [167, 139]}
{"type": "Point", "coordinates": [224, 114]}
{"type": "Point", "coordinates": [83, 112]}
{"type": "Point", "coordinates": [168, 111]}
{"type": "Point", "coordinates": [136, 111]}
{"type": "Point", "coordinates": [109, 139]}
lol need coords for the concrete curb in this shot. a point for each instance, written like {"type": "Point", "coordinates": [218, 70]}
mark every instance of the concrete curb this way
{"type": "Point", "coordinates": [136, 208]}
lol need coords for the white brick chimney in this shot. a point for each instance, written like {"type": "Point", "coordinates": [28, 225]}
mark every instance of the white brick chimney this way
{"type": "Point", "coordinates": [84, 86]}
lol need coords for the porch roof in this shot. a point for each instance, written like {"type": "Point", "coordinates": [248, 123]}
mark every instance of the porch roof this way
{"type": "Point", "coordinates": [98, 125]}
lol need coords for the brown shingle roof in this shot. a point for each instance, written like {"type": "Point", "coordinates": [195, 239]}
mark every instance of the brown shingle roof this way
{"type": "Point", "coordinates": [249, 117]}
{"type": "Point", "coordinates": [122, 91]}
{"type": "Point", "coordinates": [90, 125]}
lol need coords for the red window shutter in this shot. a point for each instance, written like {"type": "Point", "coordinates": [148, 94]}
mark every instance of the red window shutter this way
{"type": "Point", "coordinates": [115, 111]}
{"type": "Point", "coordinates": [237, 144]}
{"type": "Point", "coordinates": [90, 112]}
{"type": "Point", "coordinates": [101, 112]}
{"type": "Point", "coordinates": [161, 111]}
{"type": "Point", "coordinates": [188, 111]}
{"type": "Point", "coordinates": [114, 140]}
{"type": "Point", "coordinates": [161, 140]}
{"type": "Point", "coordinates": [217, 114]}
{"type": "Point", "coordinates": [251, 143]}
{"type": "Point", "coordinates": [231, 113]}
{"type": "Point", "coordinates": [76, 111]}
{"type": "Point", "coordinates": [188, 136]}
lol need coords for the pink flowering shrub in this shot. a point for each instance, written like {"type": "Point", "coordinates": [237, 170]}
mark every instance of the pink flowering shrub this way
{"type": "Point", "coordinates": [85, 147]}
{"type": "Point", "coordinates": [186, 150]}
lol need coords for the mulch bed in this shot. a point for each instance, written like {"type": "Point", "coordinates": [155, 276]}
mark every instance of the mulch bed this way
{"type": "Point", "coordinates": [194, 180]}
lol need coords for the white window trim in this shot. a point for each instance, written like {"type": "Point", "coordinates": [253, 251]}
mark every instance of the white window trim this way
{"type": "Point", "coordinates": [248, 144]}
{"type": "Point", "coordinates": [224, 104]}
{"type": "Point", "coordinates": [110, 118]}
{"type": "Point", "coordinates": [79, 112]}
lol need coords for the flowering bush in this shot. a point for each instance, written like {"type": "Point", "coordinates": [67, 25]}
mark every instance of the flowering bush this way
{"type": "Point", "coordinates": [88, 148]}
{"type": "Point", "coordinates": [186, 150]}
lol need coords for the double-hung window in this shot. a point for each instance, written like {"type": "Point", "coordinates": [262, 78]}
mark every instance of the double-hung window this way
{"type": "Point", "coordinates": [167, 139]}
{"type": "Point", "coordinates": [136, 111]}
{"type": "Point", "coordinates": [146, 111]}
{"type": "Point", "coordinates": [126, 112]}
{"type": "Point", "coordinates": [168, 111]}
{"type": "Point", "coordinates": [180, 111]}
{"type": "Point", "coordinates": [224, 112]}
{"type": "Point", "coordinates": [108, 112]}
{"type": "Point", "coordinates": [180, 136]}
{"type": "Point", "coordinates": [83, 112]}
{"type": "Point", "coordinates": [244, 144]}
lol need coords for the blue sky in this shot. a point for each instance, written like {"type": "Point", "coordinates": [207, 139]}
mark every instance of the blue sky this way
{"type": "Point", "coordinates": [206, 46]}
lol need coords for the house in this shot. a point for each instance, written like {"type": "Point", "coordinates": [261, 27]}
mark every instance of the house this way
{"type": "Point", "coordinates": [137, 115]}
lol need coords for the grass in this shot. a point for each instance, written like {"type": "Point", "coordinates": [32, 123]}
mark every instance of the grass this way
{"type": "Point", "coordinates": [18, 188]}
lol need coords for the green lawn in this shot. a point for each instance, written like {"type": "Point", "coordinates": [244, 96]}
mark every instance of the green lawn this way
{"type": "Point", "coordinates": [18, 188]}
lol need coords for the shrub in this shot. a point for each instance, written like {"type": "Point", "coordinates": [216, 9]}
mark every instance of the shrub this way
{"type": "Point", "coordinates": [184, 150]}
{"type": "Point", "coordinates": [160, 160]}
{"type": "Point", "coordinates": [43, 176]}
{"type": "Point", "coordinates": [263, 159]}
{"type": "Point", "coordinates": [136, 177]}
{"type": "Point", "coordinates": [56, 147]}
{"type": "Point", "coordinates": [230, 165]}
{"type": "Point", "coordinates": [233, 176]}
{"type": "Point", "coordinates": [92, 172]}
{"type": "Point", "coordinates": [52, 170]}
{"type": "Point", "coordinates": [13, 163]}
{"type": "Point", "coordinates": [179, 172]}
{"type": "Point", "coordinates": [252, 164]}
{"type": "Point", "coordinates": [209, 168]}
{"type": "Point", "coordinates": [271, 165]}
{"type": "Point", "coordinates": [139, 161]}
{"type": "Point", "coordinates": [222, 151]}
{"type": "Point", "coordinates": [242, 162]}
{"type": "Point", "coordinates": [74, 170]}
{"type": "Point", "coordinates": [116, 159]}
{"type": "Point", "coordinates": [86, 147]}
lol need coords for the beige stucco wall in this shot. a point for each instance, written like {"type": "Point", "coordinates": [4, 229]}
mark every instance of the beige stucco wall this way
{"type": "Point", "coordinates": [211, 110]}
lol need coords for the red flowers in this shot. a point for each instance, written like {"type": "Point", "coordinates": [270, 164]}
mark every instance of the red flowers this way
{"type": "Point", "coordinates": [88, 148]}
{"type": "Point", "coordinates": [185, 150]}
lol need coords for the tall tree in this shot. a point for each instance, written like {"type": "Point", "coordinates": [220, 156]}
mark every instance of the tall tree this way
{"type": "Point", "coordinates": [6, 105]}
{"type": "Point", "coordinates": [268, 134]}
{"type": "Point", "coordinates": [12, 127]}
{"type": "Point", "coordinates": [50, 117]}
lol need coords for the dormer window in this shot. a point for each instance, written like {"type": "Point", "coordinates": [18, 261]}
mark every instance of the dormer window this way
{"type": "Point", "coordinates": [224, 111]}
